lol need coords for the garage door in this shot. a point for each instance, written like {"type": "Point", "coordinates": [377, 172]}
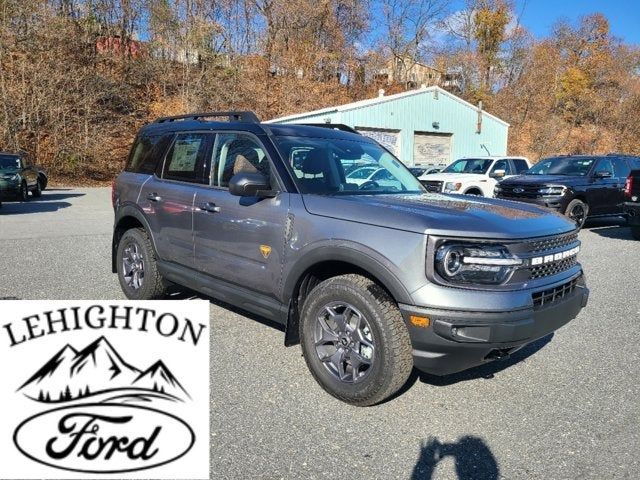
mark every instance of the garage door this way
{"type": "Point", "coordinates": [389, 138]}
{"type": "Point", "coordinates": [430, 148]}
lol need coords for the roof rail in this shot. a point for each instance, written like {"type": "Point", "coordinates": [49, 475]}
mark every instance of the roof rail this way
{"type": "Point", "coordinates": [232, 116]}
{"type": "Point", "coordinates": [333, 126]}
{"type": "Point", "coordinates": [614, 154]}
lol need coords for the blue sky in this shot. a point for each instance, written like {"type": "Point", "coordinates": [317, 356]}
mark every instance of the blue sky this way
{"type": "Point", "coordinates": [538, 16]}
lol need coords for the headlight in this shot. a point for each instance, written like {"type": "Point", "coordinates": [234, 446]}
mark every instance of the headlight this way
{"type": "Point", "coordinates": [496, 190]}
{"type": "Point", "coordinates": [553, 190]}
{"type": "Point", "coordinates": [11, 178]}
{"type": "Point", "coordinates": [475, 264]}
{"type": "Point", "coordinates": [452, 186]}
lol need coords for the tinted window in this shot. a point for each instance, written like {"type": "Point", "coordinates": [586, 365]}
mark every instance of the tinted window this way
{"type": "Point", "coordinates": [635, 163]}
{"type": "Point", "coordinates": [469, 165]}
{"type": "Point", "coordinates": [185, 159]}
{"type": "Point", "coordinates": [146, 153]}
{"type": "Point", "coordinates": [576, 166]}
{"type": "Point", "coordinates": [238, 153]}
{"type": "Point", "coordinates": [9, 161]}
{"type": "Point", "coordinates": [621, 168]}
{"type": "Point", "coordinates": [605, 165]}
{"type": "Point", "coordinates": [521, 165]}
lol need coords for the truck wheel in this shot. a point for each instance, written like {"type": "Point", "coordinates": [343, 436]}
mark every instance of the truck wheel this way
{"type": "Point", "coordinates": [354, 340]}
{"type": "Point", "coordinates": [577, 211]}
{"type": "Point", "coordinates": [635, 232]}
{"type": "Point", "coordinates": [137, 267]}
{"type": "Point", "coordinates": [24, 192]}
{"type": "Point", "coordinates": [37, 192]}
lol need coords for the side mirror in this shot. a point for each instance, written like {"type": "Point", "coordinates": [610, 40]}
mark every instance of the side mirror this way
{"type": "Point", "coordinates": [498, 173]}
{"type": "Point", "coordinates": [250, 185]}
{"type": "Point", "coordinates": [603, 174]}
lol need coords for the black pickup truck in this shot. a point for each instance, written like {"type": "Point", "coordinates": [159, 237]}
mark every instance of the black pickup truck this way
{"type": "Point", "coordinates": [632, 203]}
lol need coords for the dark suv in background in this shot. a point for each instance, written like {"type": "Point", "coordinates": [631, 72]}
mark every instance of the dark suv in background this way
{"type": "Point", "coordinates": [372, 277]}
{"type": "Point", "coordinates": [578, 186]}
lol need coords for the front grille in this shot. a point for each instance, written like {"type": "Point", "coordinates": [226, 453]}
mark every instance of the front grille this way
{"type": "Point", "coordinates": [540, 271]}
{"type": "Point", "coordinates": [519, 191]}
{"type": "Point", "coordinates": [432, 185]}
{"type": "Point", "coordinates": [551, 243]}
{"type": "Point", "coordinates": [554, 294]}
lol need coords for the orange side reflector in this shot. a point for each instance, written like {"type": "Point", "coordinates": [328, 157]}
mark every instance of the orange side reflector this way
{"type": "Point", "coordinates": [422, 322]}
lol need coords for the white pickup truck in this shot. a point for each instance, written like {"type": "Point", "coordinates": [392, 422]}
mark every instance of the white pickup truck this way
{"type": "Point", "coordinates": [474, 175]}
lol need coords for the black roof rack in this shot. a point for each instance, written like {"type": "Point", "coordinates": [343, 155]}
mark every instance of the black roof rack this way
{"type": "Point", "coordinates": [614, 154]}
{"type": "Point", "coordinates": [232, 116]}
{"type": "Point", "coordinates": [333, 126]}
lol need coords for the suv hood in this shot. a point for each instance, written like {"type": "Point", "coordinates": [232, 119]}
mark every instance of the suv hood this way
{"type": "Point", "coordinates": [8, 171]}
{"type": "Point", "coordinates": [547, 180]}
{"type": "Point", "coordinates": [451, 176]}
{"type": "Point", "coordinates": [440, 214]}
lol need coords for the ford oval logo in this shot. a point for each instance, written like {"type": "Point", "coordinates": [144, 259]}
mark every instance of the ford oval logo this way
{"type": "Point", "coordinates": [518, 190]}
{"type": "Point", "coordinates": [104, 438]}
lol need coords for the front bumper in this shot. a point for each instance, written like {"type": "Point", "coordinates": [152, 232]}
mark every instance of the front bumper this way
{"type": "Point", "coordinates": [457, 340]}
{"type": "Point", "coordinates": [9, 189]}
{"type": "Point", "coordinates": [632, 210]}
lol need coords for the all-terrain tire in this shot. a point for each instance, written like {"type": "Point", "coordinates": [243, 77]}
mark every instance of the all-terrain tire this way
{"type": "Point", "coordinates": [23, 193]}
{"type": "Point", "coordinates": [574, 206]}
{"type": "Point", "coordinates": [153, 286]}
{"type": "Point", "coordinates": [37, 192]}
{"type": "Point", "coordinates": [392, 357]}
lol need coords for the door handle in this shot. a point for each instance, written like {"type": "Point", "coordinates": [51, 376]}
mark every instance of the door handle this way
{"type": "Point", "coordinates": [154, 197]}
{"type": "Point", "coordinates": [209, 207]}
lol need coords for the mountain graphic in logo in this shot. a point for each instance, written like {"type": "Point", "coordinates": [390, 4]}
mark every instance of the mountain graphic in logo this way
{"type": "Point", "coordinates": [99, 370]}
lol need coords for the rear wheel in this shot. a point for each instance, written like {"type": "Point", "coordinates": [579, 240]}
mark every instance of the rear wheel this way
{"type": "Point", "coordinates": [137, 267]}
{"type": "Point", "coordinates": [577, 211]}
{"type": "Point", "coordinates": [37, 192]}
{"type": "Point", "coordinates": [354, 340]}
{"type": "Point", "coordinates": [24, 192]}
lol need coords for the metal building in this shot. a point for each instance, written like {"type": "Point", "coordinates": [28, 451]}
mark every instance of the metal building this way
{"type": "Point", "coordinates": [422, 127]}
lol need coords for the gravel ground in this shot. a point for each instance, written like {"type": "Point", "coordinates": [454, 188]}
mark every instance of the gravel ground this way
{"type": "Point", "coordinates": [565, 407]}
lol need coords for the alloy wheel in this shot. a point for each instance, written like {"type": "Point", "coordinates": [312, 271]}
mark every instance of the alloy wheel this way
{"type": "Point", "coordinates": [133, 265]}
{"type": "Point", "coordinates": [344, 342]}
{"type": "Point", "coordinates": [577, 214]}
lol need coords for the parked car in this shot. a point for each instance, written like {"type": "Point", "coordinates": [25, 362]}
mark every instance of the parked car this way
{"type": "Point", "coordinates": [18, 177]}
{"type": "Point", "coordinates": [632, 204]}
{"type": "Point", "coordinates": [426, 170]}
{"type": "Point", "coordinates": [373, 175]}
{"type": "Point", "coordinates": [474, 175]}
{"type": "Point", "coordinates": [579, 186]}
{"type": "Point", "coordinates": [370, 279]}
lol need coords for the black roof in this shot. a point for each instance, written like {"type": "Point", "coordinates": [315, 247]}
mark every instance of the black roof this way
{"type": "Point", "coordinates": [248, 122]}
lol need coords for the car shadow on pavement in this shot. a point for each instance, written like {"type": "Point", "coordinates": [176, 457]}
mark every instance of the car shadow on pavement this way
{"type": "Point", "coordinates": [486, 371]}
{"type": "Point", "coordinates": [614, 231]}
{"type": "Point", "coordinates": [18, 208]}
{"type": "Point", "coordinates": [473, 459]}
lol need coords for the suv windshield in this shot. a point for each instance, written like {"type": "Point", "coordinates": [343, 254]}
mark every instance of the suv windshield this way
{"type": "Point", "coordinates": [578, 167]}
{"type": "Point", "coordinates": [330, 166]}
{"type": "Point", "coordinates": [9, 161]}
{"type": "Point", "coordinates": [469, 165]}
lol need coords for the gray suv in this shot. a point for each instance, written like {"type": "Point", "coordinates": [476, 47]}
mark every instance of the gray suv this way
{"type": "Point", "coordinates": [372, 278]}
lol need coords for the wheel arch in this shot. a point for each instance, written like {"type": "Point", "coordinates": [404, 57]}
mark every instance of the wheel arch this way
{"type": "Point", "coordinates": [474, 188]}
{"type": "Point", "coordinates": [128, 217]}
{"type": "Point", "coordinates": [327, 262]}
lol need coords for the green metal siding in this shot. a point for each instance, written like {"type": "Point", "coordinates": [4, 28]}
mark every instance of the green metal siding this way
{"type": "Point", "coordinates": [416, 113]}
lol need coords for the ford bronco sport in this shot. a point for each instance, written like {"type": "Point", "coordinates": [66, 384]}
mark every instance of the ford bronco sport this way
{"type": "Point", "coordinates": [371, 279]}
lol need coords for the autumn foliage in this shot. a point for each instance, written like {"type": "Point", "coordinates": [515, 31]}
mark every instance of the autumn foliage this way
{"type": "Point", "coordinates": [79, 77]}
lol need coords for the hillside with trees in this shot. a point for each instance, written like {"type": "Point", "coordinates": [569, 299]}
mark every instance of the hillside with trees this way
{"type": "Point", "coordinates": [79, 77]}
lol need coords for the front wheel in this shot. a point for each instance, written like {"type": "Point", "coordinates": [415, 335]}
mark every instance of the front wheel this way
{"type": "Point", "coordinates": [23, 194]}
{"type": "Point", "coordinates": [577, 211]}
{"type": "Point", "coordinates": [137, 267]}
{"type": "Point", "coordinates": [354, 340]}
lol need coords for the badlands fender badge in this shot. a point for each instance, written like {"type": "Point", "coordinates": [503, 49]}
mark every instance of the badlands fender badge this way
{"type": "Point", "coordinates": [105, 388]}
{"type": "Point", "coordinates": [265, 250]}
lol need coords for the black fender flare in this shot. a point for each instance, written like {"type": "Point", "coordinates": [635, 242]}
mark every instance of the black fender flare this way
{"type": "Point", "coordinates": [123, 212]}
{"type": "Point", "coordinates": [379, 268]}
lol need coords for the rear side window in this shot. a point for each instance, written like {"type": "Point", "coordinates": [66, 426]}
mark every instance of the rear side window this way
{"type": "Point", "coordinates": [186, 159]}
{"type": "Point", "coordinates": [621, 168]}
{"type": "Point", "coordinates": [520, 165]}
{"type": "Point", "coordinates": [146, 153]}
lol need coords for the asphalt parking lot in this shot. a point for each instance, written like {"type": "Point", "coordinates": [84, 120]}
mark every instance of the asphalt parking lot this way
{"type": "Point", "coordinates": [564, 407]}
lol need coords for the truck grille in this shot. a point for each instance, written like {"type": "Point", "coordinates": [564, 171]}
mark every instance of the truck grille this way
{"type": "Point", "coordinates": [550, 243]}
{"type": "Point", "coordinates": [432, 185]}
{"type": "Point", "coordinates": [540, 271]}
{"type": "Point", "coordinates": [519, 191]}
{"type": "Point", "coordinates": [554, 294]}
